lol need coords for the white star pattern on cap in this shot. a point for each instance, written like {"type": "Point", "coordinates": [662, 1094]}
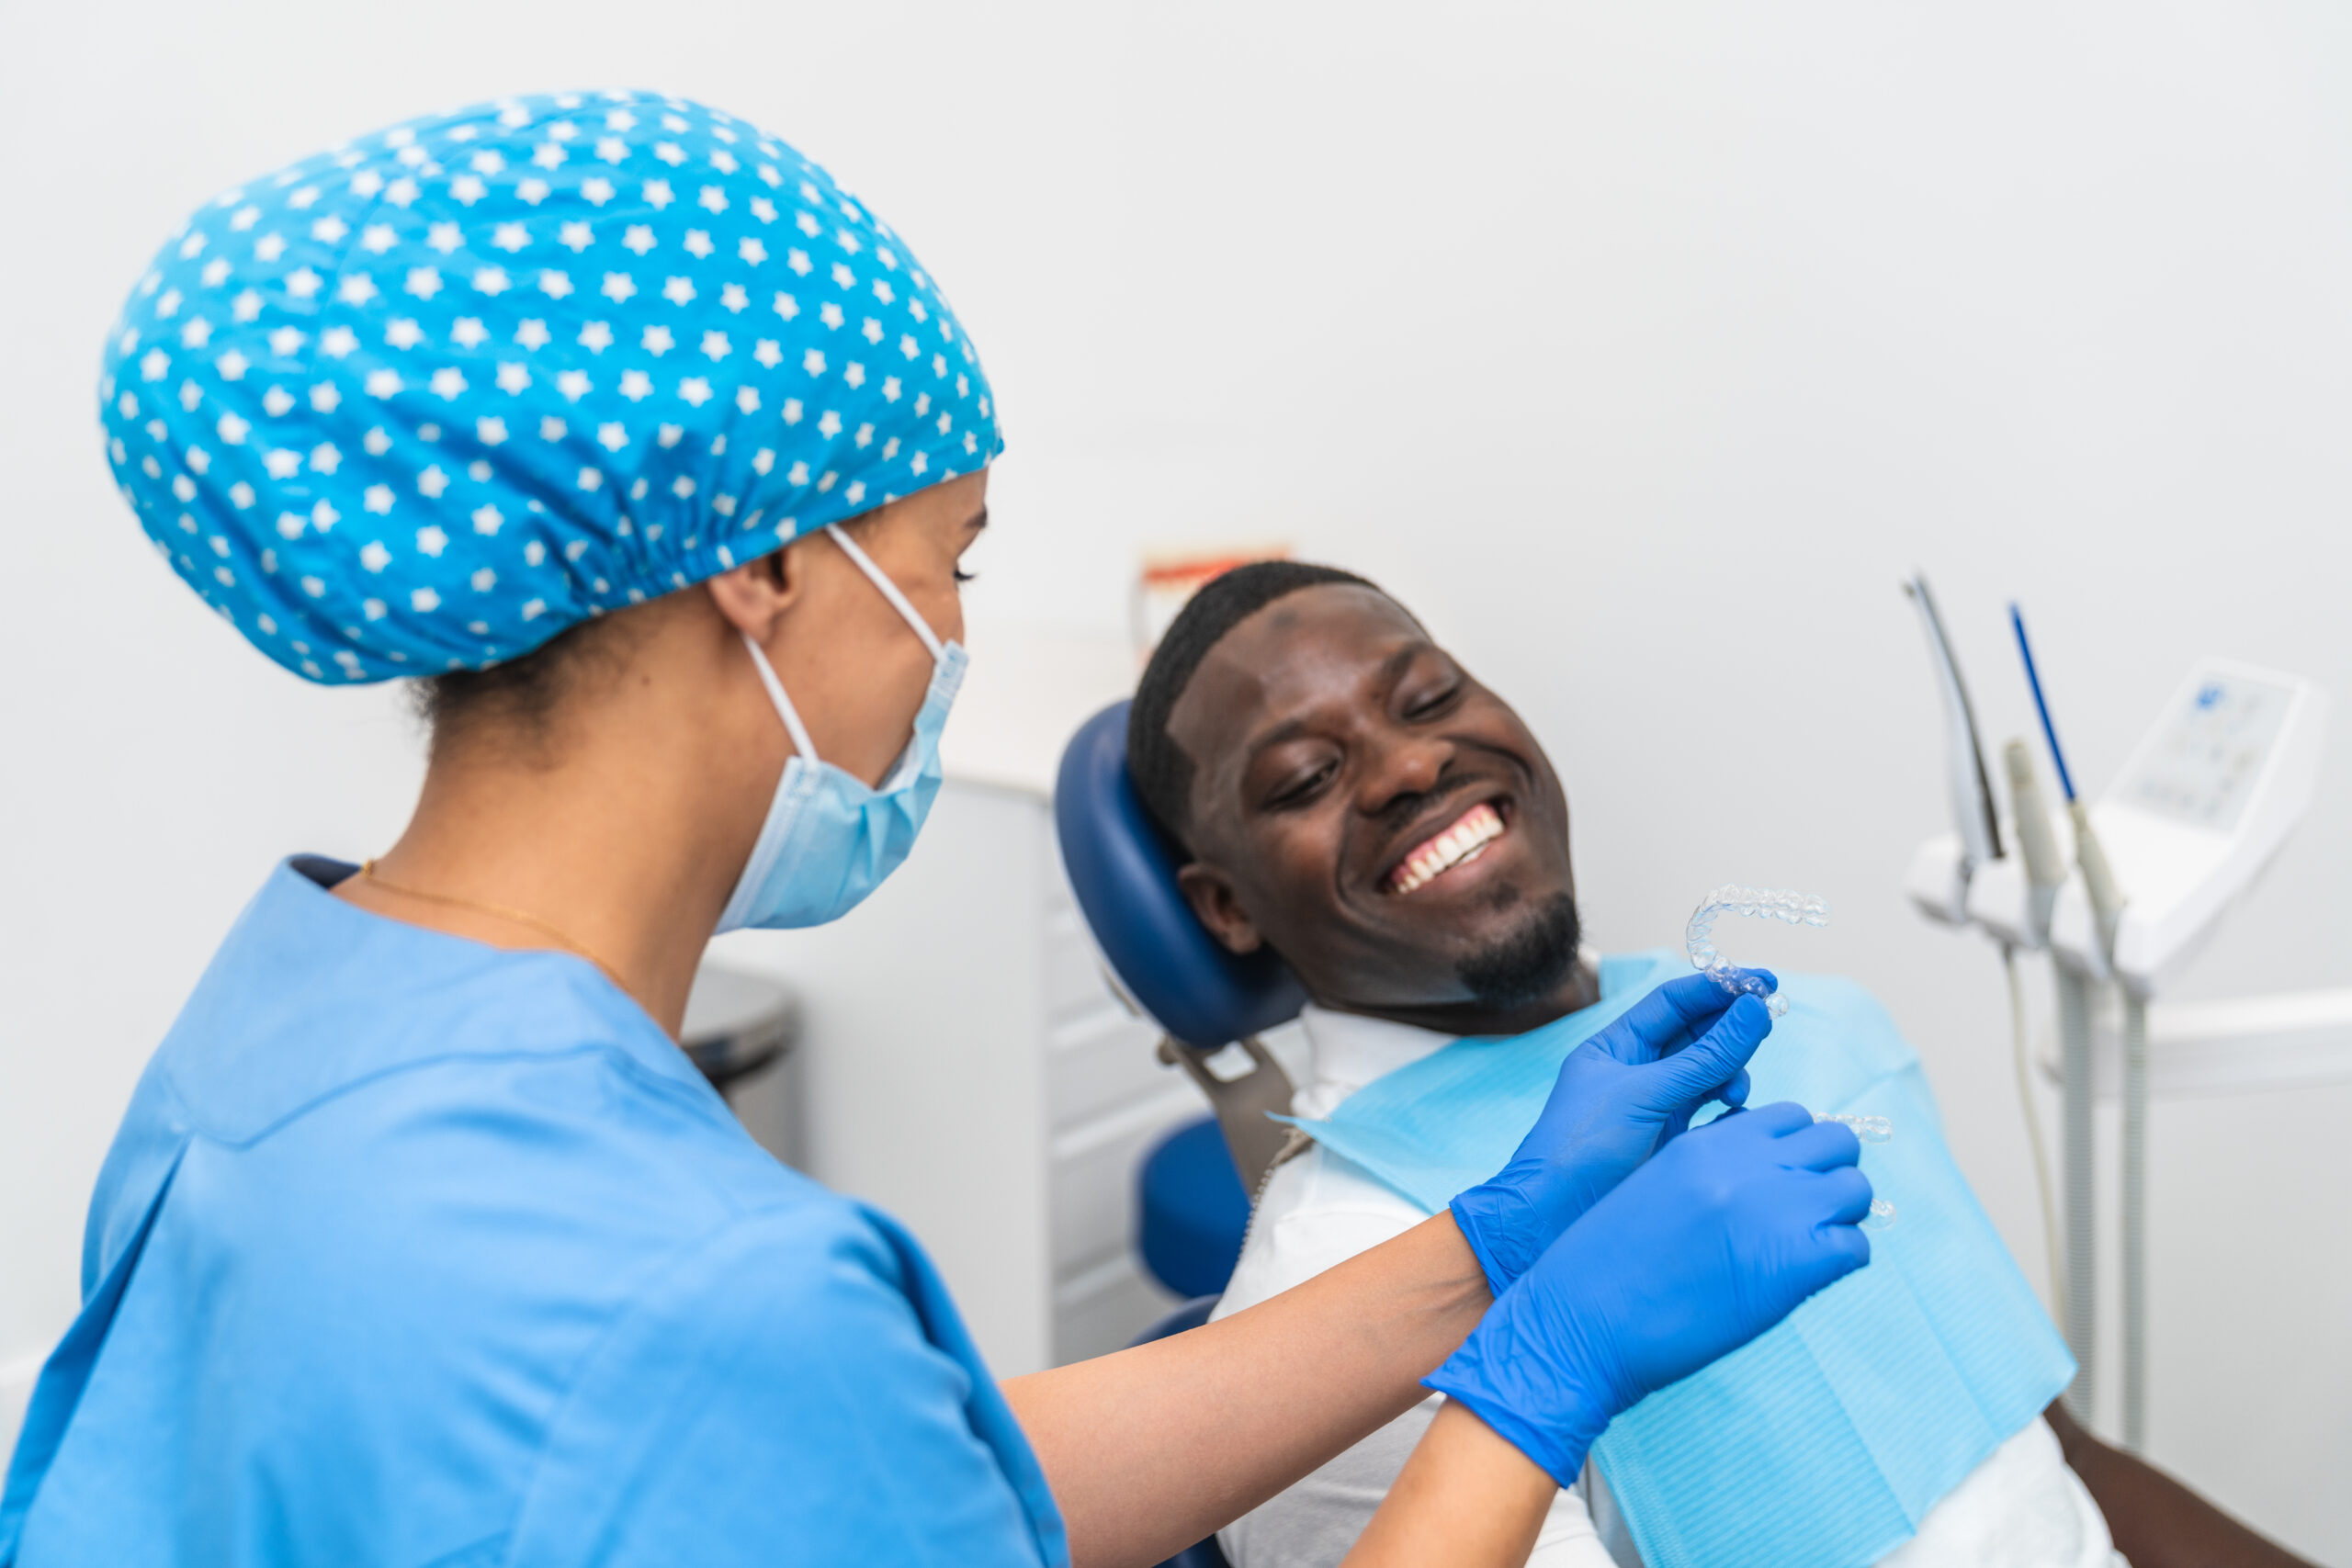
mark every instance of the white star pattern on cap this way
{"type": "Point", "coordinates": [419, 403]}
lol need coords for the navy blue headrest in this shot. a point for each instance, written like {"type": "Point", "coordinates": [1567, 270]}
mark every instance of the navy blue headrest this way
{"type": "Point", "coordinates": [1123, 871]}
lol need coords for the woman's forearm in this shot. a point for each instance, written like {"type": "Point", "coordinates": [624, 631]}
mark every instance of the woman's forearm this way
{"type": "Point", "coordinates": [1149, 1450]}
{"type": "Point", "coordinates": [1465, 1500]}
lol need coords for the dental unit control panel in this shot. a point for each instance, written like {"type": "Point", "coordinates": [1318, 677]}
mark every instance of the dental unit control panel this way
{"type": "Point", "coordinates": [2206, 800]}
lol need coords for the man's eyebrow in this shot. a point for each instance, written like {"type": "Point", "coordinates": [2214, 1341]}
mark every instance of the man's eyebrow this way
{"type": "Point", "coordinates": [1289, 729]}
{"type": "Point", "coordinates": [978, 521]}
{"type": "Point", "coordinates": [1392, 669]}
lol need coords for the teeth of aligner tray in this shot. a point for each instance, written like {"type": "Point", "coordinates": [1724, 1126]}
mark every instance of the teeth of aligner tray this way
{"type": "Point", "coordinates": [1869, 1129]}
{"type": "Point", "coordinates": [1757, 903]}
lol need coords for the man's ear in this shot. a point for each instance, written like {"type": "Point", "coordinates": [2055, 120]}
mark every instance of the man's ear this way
{"type": "Point", "coordinates": [1213, 899]}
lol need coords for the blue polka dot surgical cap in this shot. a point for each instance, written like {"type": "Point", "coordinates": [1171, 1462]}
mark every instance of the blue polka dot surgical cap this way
{"type": "Point", "coordinates": [424, 400]}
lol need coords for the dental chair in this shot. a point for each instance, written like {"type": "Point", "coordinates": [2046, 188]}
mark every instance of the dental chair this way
{"type": "Point", "coordinates": [1210, 1005]}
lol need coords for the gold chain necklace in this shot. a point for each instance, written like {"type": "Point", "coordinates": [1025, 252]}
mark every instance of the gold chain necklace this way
{"type": "Point", "coordinates": [521, 916]}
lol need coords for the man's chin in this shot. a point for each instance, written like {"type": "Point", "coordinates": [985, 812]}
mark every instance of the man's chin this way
{"type": "Point", "coordinates": [1528, 960]}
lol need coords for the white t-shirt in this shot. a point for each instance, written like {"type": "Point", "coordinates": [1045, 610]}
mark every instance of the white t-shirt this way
{"type": "Point", "coordinates": [2021, 1508]}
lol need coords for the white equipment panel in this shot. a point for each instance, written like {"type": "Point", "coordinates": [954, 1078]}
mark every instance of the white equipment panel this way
{"type": "Point", "coordinates": [2197, 813]}
{"type": "Point", "coordinates": [2202, 806]}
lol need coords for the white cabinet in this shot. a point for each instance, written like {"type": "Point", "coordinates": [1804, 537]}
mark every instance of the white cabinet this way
{"type": "Point", "coordinates": [963, 1065]}
{"type": "Point", "coordinates": [1107, 1102]}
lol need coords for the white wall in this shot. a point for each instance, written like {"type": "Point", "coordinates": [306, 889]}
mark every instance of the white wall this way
{"type": "Point", "coordinates": [1640, 347]}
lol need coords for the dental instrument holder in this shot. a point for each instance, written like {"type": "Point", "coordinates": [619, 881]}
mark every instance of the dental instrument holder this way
{"type": "Point", "coordinates": [2195, 815]}
{"type": "Point", "coordinates": [2045, 863]}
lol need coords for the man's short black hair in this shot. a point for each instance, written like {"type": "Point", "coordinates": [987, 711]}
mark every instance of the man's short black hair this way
{"type": "Point", "coordinates": [1162, 772]}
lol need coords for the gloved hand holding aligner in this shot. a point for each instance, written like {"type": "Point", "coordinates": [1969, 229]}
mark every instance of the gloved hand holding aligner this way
{"type": "Point", "coordinates": [1711, 1242]}
{"type": "Point", "coordinates": [1619, 1096]}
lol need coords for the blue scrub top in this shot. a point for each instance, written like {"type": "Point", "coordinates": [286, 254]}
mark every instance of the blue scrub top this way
{"type": "Point", "coordinates": [415, 1251]}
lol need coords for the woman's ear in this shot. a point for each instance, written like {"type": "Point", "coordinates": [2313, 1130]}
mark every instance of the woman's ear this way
{"type": "Point", "coordinates": [755, 596]}
{"type": "Point", "coordinates": [1212, 897]}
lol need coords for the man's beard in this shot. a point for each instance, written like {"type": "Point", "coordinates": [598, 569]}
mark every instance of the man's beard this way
{"type": "Point", "coordinates": [1529, 964]}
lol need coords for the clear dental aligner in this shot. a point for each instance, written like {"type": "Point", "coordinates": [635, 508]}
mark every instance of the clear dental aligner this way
{"type": "Point", "coordinates": [1758, 903]}
{"type": "Point", "coordinates": [1869, 1130]}
{"type": "Point", "coordinates": [1793, 908]}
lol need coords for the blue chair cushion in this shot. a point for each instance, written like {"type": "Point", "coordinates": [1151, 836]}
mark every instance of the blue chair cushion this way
{"type": "Point", "coordinates": [1123, 871]}
{"type": "Point", "coordinates": [1191, 1210]}
{"type": "Point", "coordinates": [1208, 1555]}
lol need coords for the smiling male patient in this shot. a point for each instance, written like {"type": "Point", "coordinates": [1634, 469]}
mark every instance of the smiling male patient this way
{"type": "Point", "coordinates": [1350, 797]}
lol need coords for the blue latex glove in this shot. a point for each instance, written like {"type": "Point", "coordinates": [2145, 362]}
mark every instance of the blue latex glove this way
{"type": "Point", "coordinates": [1619, 1095]}
{"type": "Point", "coordinates": [1705, 1246]}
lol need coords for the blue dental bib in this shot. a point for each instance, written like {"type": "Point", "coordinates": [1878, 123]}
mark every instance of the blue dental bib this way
{"type": "Point", "coordinates": [1823, 1443]}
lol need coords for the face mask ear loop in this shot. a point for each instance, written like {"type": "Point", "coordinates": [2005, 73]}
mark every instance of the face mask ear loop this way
{"type": "Point", "coordinates": [881, 579]}
{"type": "Point", "coordinates": [801, 744]}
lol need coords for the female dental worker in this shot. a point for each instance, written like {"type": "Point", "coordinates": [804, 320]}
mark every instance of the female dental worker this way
{"type": "Point", "coordinates": [652, 455]}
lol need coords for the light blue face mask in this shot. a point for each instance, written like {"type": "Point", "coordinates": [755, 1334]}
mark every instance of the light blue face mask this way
{"type": "Point", "coordinates": [1829, 1439]}
{"type": "Point", "coordinates": [830, 837]}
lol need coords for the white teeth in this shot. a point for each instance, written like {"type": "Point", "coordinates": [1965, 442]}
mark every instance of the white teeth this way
{"type": "Point", "coordinates": [1464, 841]}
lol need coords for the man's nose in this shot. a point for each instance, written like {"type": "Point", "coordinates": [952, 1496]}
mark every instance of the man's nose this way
{"type": "Point", "coordinates": [1402, 768]}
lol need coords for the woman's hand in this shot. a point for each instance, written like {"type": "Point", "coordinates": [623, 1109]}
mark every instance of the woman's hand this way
{"type": "Point", "coordinates": [1620, 1095]}
{"type": "Point", "coordinates": [1701, 1249]}
{"type": "Point", "coordinates": [1223, 1417]}
{"type": "Point", "coordinates": [1708, 1244]}
{"type": "Point", "coordinates": [1698, 1252]}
